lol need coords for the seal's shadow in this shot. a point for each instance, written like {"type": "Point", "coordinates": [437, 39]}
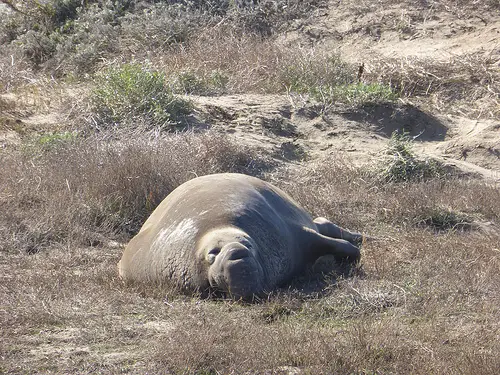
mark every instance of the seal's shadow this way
{"type": "Point", "coordinates": [319, 278]}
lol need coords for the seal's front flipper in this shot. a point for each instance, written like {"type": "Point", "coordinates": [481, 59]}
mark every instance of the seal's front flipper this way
{"type": "Point", "coordinates": [321, 245]}
{"type": "Point", "coordinates": [327, 228]}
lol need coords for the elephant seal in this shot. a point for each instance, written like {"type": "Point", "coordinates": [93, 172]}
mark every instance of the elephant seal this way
{"type": "Point", "coordinates": [231, 233]}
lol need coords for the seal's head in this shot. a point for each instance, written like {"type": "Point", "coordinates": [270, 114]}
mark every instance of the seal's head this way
{"type": "Point", "coordinates": [233, 263]}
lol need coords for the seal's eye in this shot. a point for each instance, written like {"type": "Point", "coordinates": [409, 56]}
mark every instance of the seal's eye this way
{"type": "Point", "coordinates": [211, 258]}
{"type": "Point", "coordinates": [212, 254]}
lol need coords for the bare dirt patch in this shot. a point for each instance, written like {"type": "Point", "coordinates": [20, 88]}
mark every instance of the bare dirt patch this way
{"type": "Point", "coordinates": [276, 121]}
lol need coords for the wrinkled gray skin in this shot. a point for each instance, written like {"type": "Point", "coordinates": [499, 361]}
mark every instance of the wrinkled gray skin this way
{"type": "Point", "coordinates": [231, 233]}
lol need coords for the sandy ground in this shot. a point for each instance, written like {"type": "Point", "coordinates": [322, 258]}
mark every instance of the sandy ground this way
{"type": "Point", "coordinates": [302, 132]}
{"type": "Point", "coordinates": [364, 35]}
{"type": "Point", "coordinates": [295, 130]}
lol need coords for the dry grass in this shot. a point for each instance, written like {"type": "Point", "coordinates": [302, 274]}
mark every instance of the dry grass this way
{"type": "Point", "coordinates": [61, 188]}
{"type": "Point", "coordinates": [468, 85]}
{"type": "Point", "coordinates": [223, 62]}
{"type": "Point", "coordinates": [14, 69]}
{"type": "Point", "coordinates": [253, 64]}
{"type": "Point", "coordinates": [425, 299]}
{"type": "Point", "coordinates": [357, 198]}
{"type": "Point", "coordinates": [420, 303]}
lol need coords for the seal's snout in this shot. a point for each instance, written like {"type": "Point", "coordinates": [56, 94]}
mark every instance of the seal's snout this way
{"type": "Point", "coordinates": [235, 270]}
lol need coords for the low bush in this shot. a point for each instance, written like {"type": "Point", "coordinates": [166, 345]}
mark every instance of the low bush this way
{"type": "Point", "coordinates": [330, 80]}
{"type": "Point", "coordinates": [160, 26]}
{"type": "Point", "coordinates": [443, 219]}
{"type": "Point", "coordinates": [56, 35]}
{"type": "Point", "coordinates": [268, 17]}
{"type": "Point", "coordinates": [70, 36]}
{"type": "Point", "coordinates": [191, 82]}
{"type": "Point", "coordinates": [354, 94]}
{"type": "Point", "coordinates": [39, 16]}
{"type": "Point", "coordinates": [82, 43]}
{"type": "Point", "coordinates": [308, 72]}
{"type": "Point", "coordinates": [135, 93]}
{"type": "Point", "coordinates": [48, 141]}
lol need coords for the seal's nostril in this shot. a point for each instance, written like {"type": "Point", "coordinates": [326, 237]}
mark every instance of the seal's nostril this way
{"type": "Point", "coordinates": [215, 251]}
{"type": "Point", "coordinates": [238, 253]}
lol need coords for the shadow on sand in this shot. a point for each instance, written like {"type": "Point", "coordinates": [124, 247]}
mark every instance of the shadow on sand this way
{"type": "Point", "coordinates": [389, 118]}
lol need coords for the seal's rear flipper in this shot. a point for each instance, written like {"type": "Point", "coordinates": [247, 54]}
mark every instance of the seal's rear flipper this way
{"type": "Point", "coordinates": [342, 250]}
{"type": "Point", "coordinates": [327, 228]}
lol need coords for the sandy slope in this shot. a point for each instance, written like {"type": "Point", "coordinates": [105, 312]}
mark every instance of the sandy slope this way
{"type": "Point", "coordinates": [294, 132]}
{"type": "Point", "coordinates": [363, 31]}
{"type": "Point", "coordinates": [293, 129]}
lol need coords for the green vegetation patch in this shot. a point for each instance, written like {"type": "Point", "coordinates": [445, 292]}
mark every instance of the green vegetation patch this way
{"type": "Point", "coordinates": [135, 93]}
{"type": "Point", "coordinates": [400, 164]}
{"type": "Point", "coordinates": [49, 141]}
{"type": "Point", "coordinates": [357, 94]}
{"type": "Point", "coordinates": [308, 73]}
{"type": "Point", "coordinates": [331, 80]}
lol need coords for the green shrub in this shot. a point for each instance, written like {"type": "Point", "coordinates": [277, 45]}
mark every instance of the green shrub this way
{"type": "Point", "coordinates": [268, 17]}
{"type": "Point", "coordinates": [134, 93]}
{"type": "Point", "coordinates": [86, 41]}
{"type": "Point", "coordinates": [329, 80]}
{"type": "Point", "coordinates": [401, 164]}
{"type": "Point", "coordinates": [62, 37]}
{"type": "Point", "coordinates": [38, 47]}
{"type": "Point", "coordinates": [160, 26]}
{"type": "Point", "coordinates": [353, 95]}
{"type": "Point", "coordinates": [70, 36]}
{"type": "Point", "coordinates": [50, 141]}
{"type": "Point", "coordinates": [58, 12]}
{"type": "Point", "coordinates": [39, 16]}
